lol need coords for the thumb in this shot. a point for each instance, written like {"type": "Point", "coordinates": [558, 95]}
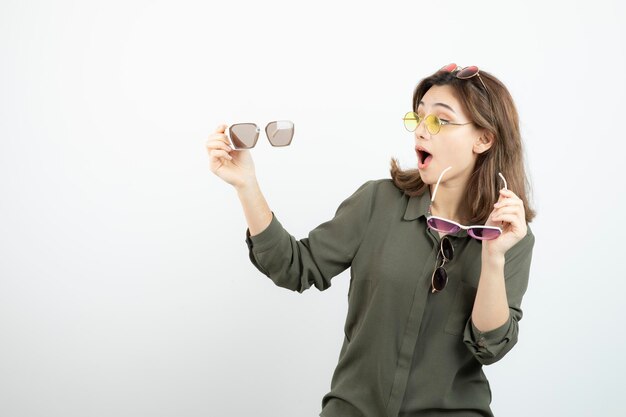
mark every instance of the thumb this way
{"type": "Point", "coordinates": [221, 128]}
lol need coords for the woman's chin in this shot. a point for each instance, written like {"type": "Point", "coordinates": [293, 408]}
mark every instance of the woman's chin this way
{"type": "Point", "coordinates": [427, 178]}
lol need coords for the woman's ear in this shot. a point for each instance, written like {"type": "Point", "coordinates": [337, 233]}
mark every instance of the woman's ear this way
{"type": "Point", "coordinates": [483, 142]}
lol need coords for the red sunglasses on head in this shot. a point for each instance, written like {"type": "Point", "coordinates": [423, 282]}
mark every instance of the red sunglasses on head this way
{"type": "Point", "coordinates": [463, 73]}
{"type": "Point", "coordinates": [466, 73]}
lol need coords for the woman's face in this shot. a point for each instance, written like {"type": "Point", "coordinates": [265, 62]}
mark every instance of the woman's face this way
{"type": "Point", "coordinates": [455, 146]}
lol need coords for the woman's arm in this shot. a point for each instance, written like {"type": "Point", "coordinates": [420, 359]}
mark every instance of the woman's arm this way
{"type": "Point", "coordinates": [329, 249]}
{"type": "Point", "coordinates": [255, 208]}
{"type": "Point", "coordinates": [492, 329]}
{"type": "Point", "coordinates": [500, 284]}
{"type": "Point", "coordinates": [491, 307]}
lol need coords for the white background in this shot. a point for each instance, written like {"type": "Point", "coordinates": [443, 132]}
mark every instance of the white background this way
{"type": "Point", "coordinates": [125, 283]}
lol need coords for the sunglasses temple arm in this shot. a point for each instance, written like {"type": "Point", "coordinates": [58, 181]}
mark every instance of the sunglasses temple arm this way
{"type": "Point", "coordinates": [503, 179]}
{"type": "Point", "coordinates": [481, 81]}
{"type": "Point", "coordinates": [437, 185]}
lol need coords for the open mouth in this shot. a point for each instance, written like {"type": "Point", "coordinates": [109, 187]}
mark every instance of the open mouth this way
{"type": "Point", "coordinates": [424, 156]}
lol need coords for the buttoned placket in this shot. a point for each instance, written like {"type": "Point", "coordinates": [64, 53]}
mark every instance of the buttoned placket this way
{"type": "Point", "coordinates": [413, 327]}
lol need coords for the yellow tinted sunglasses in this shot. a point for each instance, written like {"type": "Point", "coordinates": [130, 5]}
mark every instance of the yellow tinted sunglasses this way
{"type": "Point", "coordinates": [433, 123]}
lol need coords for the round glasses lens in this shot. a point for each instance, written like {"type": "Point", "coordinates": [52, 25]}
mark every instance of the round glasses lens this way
{"type": "Point", "coordinates": [447, 249]}
{"type": "Point", "coordinates": [467, 72]}
{"type": "Point", "coordinates": [443, 226]}
{"type": "Point", "coordinates": [483, 233]}
{"type": "Point", "coordinates": [432, 124]}
{"type": "Point", "coordinates": [448, 68]}
{"type": "Point", "coordinates": [440, 278]}
{"type": "Point", "coordinates": [410, 121]}
{"type": "Point", "coordinates": [243, 135]}
{"type": "Point", "coordinates": [280, 132]}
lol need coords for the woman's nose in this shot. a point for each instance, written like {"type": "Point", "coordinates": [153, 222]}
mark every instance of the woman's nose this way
{"type": "Point", "coordinates": [421, 132]}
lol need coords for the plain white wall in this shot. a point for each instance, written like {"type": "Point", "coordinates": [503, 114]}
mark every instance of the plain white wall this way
{"type": "Point", "coordinates": [125, 283]}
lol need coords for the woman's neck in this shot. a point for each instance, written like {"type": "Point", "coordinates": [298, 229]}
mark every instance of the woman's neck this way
{"type": "Point", "coordinates": [449, 202]}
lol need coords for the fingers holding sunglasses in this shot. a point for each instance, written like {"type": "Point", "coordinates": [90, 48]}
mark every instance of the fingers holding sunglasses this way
{"type": "Point", "coordinates": [218, 150]}
{"type": "Point", "coordinates": [503, 215]}
{"type": "Point", "coordinates": [219, 139]}
{"type": "Point", "coordinates": [217, 142]}
{"type": "Point", "coordinates": [508, 214]}
{"type": "Point", "coordinates": [216, 154]}
{"type": "Point", "coordinates": [508, 194]}
{"type": "Point", "coordinates": [509, 205]}
{"type": "Point", "coordinates": [507, 200]}
{"type": "Point", "coordinates": [496, 216]}
{"type": "Point", "coordinates": [516, 219]}
{"type": "Point", "coordinates": [513, 223]}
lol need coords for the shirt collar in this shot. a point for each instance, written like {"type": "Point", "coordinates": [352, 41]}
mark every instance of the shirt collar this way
{"type": "Point", "coordinates": [417, 207]}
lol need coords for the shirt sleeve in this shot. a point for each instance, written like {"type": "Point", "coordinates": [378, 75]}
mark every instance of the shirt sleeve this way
{"type": "Point", "coordinates": [327, 251]}
{"type": "Point", "coordinates": [491, 346]}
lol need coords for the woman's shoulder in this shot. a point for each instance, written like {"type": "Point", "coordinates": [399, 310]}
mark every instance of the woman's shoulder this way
{"type": "Point", "coordinates": [380, 187]}
{"type": "Point", "coordinates": [382, 191]}
{"type": "Point", "coordinates": [381, 184]}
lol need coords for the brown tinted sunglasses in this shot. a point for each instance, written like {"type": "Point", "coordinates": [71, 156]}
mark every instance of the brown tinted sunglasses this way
{"type": "Point", "coordinates": [246, 135]}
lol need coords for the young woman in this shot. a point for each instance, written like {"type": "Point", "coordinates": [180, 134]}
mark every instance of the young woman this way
{"type": "Point", "coordinates": [439, 256]}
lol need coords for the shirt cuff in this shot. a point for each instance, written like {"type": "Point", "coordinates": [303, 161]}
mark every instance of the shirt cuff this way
{"type": "Point", "coordinates": [267, 238]}
{"type": "Point", "coordinates": [490, 346]}
{"type": "Point", "coordinates": [484, 340]}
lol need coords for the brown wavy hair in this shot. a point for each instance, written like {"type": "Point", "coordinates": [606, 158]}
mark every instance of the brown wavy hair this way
{"type": "Point", "coordinates": [506, 154]}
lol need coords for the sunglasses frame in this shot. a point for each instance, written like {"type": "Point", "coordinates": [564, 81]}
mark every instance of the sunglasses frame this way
{"type": "Point", "coordinates": [445, 259]}
{"type": "Point", "coordinates": [256, 138]}
{"type": "Point", "coordinates": [439, 122]}
{"type": "Point", "coordinates": [429, 216]}
{"type": "Point", "coordinates": [473, 71]}
{"type": "Point", "coordinates": [458, 71]}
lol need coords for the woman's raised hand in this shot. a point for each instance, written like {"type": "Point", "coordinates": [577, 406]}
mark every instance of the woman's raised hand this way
{"type": "Point", "coordinates": [235, 166]}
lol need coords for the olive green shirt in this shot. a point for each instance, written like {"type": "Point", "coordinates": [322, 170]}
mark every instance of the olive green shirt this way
{"type": "Point", "coordinates": [407, 351]}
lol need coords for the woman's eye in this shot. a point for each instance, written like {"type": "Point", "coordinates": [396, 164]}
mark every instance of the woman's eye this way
{"type": "Point", "coordinates": [444, 121]}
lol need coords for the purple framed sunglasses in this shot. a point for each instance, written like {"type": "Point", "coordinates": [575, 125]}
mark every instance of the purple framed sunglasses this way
{"type": "Point", "coordinates": [479, 232]}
